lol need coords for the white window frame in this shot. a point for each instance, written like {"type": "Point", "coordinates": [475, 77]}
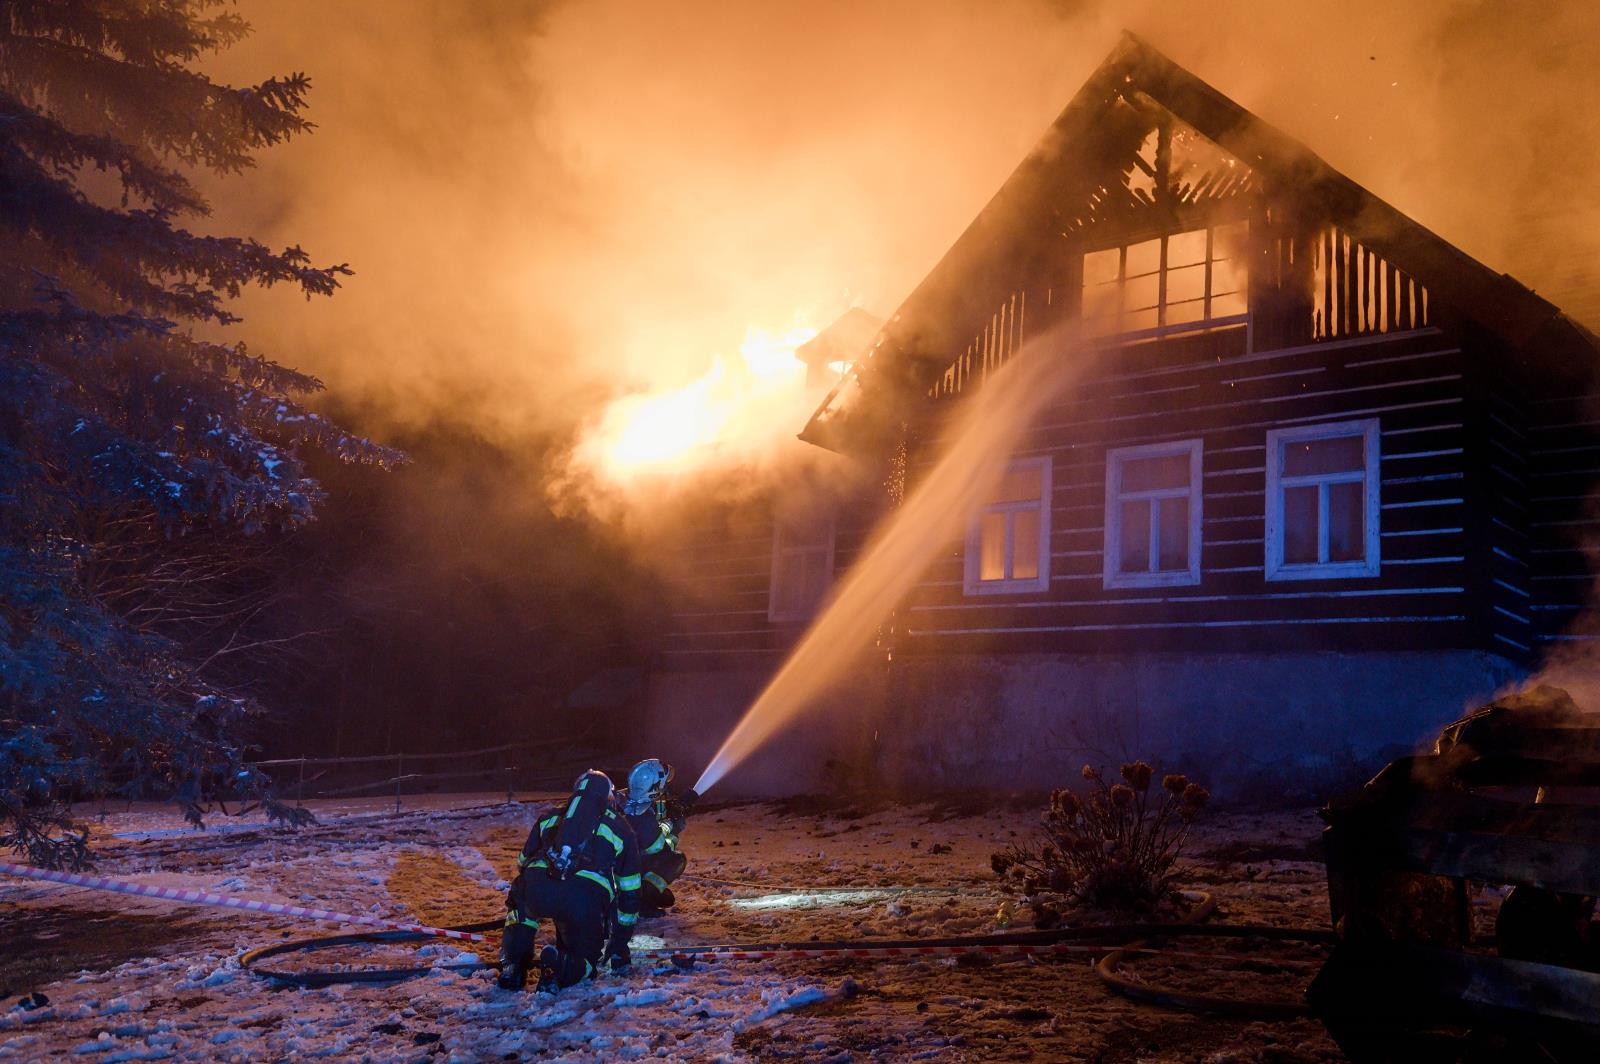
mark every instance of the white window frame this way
{"type": "Point", "coordinates": [779, 551]}
{"type": "Point", "coordinates": [1203, 324]}
{"type": "Point", "coordinates": [1111, 547]}
{"type": "Point", "coordinates": [972, 584]}
{"type": "Point", "coordinates": [1369, 564]}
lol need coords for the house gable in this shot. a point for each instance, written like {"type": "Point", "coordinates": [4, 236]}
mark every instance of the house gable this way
{"type": "Point", "coordinates": [1333, 259]}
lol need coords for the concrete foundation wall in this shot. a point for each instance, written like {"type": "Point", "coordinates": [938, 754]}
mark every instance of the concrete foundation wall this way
{"type": "Point", "coordinates": [1248, 725]}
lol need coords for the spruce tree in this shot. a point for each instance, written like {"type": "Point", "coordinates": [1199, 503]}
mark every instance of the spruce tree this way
{"type": "Point", "coordinates": [130, 439]}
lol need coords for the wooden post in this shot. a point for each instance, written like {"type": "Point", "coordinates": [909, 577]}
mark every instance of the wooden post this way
{"type": "Point", "coordinates": [300, 788]}
{"type": "Point", "coordinates": [399, 770]}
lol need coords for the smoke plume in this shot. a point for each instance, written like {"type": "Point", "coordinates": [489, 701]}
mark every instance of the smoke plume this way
{"type": "Point", "coordinates": [551, 207]}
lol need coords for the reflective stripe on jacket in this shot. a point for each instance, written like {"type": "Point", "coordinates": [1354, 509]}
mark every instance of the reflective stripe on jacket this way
{"type": "Point", "coordinates": [609, 858]}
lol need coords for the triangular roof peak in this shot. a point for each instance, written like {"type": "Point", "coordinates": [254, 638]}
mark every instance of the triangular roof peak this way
{"type": "Point", "coordinates": [1508, 307]}
{"type": "Point", "coordinates": [913, 347]}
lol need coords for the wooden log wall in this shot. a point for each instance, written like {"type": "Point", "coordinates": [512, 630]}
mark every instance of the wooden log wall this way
{"type": "Point", "coordinates": [1498, 499]}
{"type": "Point", "coordinates": [1563, 471]}
{"type": "Point", "coordinates": [1414, 383]}
{"type": "Point", "coordinates": [724, 576]}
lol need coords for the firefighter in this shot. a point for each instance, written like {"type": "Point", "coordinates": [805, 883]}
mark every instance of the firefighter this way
{"type": "Point", "coordinates": [580, 870]}
{"type": "Point", "coordinates": [657, 819]}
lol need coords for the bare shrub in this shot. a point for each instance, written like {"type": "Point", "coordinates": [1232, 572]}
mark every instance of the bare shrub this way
{"type": "Point", "coordinates": [1115, 848]}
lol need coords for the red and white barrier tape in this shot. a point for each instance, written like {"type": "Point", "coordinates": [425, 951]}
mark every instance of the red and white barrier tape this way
{"type": "Point", "coordinates": [735, 954]}
{"type": "Point", "coordinates": [223, 901]}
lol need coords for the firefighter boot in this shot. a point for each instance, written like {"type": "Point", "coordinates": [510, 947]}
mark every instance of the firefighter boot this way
{"type": "Point", "coordinates": [516, 955]}
{"type": "Point", "coordinates": [513, 975]}
{"type": "Point", "coordinates": [549, 970]}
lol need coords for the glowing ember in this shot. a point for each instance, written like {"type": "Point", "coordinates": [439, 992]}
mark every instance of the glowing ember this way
{"type": "Point", "coordinates": [736, 404]}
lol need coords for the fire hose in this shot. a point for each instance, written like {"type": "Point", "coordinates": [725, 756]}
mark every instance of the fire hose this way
{"type": "Point", "coordinates": [1113, 943]}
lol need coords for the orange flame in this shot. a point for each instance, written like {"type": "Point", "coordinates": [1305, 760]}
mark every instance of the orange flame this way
{"type": "Point", "coordinates": [735, 408]}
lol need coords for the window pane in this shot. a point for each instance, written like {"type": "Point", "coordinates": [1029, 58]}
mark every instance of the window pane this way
{"type": "Point", "coordinates": [1158, 471]}
{"type": "Point", "coordinates": [1174, 534]}
{"type": "Point", "coordinates": [1025, 544]}
{"type": "Point", "coordinates": [816, 580]}
{"type": "Point", "coordinates": [1186, 249]}
{"type": "Point", "coordinates": [1186, 284]}
{"type": "Point", "coordinates": [1228, 275]}
{"type": "Point", "coordinates": [1230, 305]}
{"type": "Point", "coordinates": [1135, 320]}
{"type": "Point", "coordinates": [1346, 522]}
{"type": "Point", "coordinates": [1102, 300]}
{"type": "Point", "coordinates": [1183, 313]}
{"type": "Point", "coordinates": [788, 583]}
{"type": "Point", "coordinates": [1100, 267]}
{"type": "Point", "coordinates": [1341, 454]}
{"type": "Point", "coordinates": [1141, 292]}
{"type": "Point", "coordinates": [1133, 553]}
{"type": "Point", "coordinates": [1300, 525]}
{"type": "Point", "coordinates": [1144, 257]}
{"type": "Point", "coordinates": [1020, 484]}
{"type": "Point", "coordinates": [992, 547]}
{"type": "Point", "coordinates": [1231, 241]}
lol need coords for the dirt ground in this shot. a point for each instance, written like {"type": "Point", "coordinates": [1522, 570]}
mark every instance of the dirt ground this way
{"type": "Point", "coordinates": [128, 978]}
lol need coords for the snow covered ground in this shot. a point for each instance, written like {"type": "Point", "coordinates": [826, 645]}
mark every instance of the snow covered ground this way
{"type": "Point", "coordinates": [131, 979]}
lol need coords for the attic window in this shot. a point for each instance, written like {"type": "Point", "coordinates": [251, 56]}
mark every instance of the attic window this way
{"type": "Point", "coordinates": [1196, 279]}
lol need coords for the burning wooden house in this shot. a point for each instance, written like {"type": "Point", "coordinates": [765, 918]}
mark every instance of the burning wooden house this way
{"type": "Point", "coordinates": [1324, 487]}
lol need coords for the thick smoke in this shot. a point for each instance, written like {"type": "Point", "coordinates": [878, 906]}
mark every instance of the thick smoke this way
{"type": "Point", "coordinates": [551, 205]}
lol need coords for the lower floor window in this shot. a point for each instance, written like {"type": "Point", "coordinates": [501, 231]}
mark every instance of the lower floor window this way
{"type": "Point", "coordinates": [802, 566]}
{"type": "Point", "coordinates": [1008, 547]}
{"type": "Point", "coordinates": [1322, 501]}
{"type": "Point", "coordinates": [1152, 518]}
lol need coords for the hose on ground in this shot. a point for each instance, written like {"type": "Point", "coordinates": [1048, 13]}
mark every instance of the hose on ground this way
{"type": "Point", "coordinates": [251, 960]}
{"type": "Point", "coordinates": [1114, 944]}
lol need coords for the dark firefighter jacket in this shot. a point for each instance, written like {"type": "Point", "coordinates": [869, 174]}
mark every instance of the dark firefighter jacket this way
{"type": "Point", "coordinates": [653, 834]}
{"type": "Point", "coordinates": [606, 854]}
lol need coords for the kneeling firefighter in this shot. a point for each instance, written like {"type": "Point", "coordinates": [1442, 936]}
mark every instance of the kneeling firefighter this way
{"type": "Point", "coordinates": [579, 869]}
{"type": "Point", "coordinates": [657, 818]}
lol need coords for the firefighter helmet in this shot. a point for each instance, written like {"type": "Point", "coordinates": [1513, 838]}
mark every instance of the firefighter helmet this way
{"type": "Point", "coordinates": [647, 782]}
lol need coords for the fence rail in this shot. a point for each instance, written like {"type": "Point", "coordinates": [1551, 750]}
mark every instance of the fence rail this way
{"type": "Point", "coordinates": [373, 758]}
{"type": "Point", "coordinates": [504, 772]}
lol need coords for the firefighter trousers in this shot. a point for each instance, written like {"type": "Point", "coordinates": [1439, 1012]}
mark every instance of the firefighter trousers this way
{"type": "Point", "coordinates": [660, 869]}
{"type": "Point", "coordinates": [579, 908]}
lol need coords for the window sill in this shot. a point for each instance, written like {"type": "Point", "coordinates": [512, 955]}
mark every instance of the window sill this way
{"type": "Point", "coordinates": [1192, 328]}
{"type": "Point", "coordinates": [1173, 578]}
{"type": "Point", "coordinates": [1006, 587]}
{"type": "Point", "coordinates": [1329, 571]}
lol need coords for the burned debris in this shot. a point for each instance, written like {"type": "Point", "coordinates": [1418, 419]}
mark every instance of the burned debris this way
{"type": "Point", "coordinates": [1503, 807]}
